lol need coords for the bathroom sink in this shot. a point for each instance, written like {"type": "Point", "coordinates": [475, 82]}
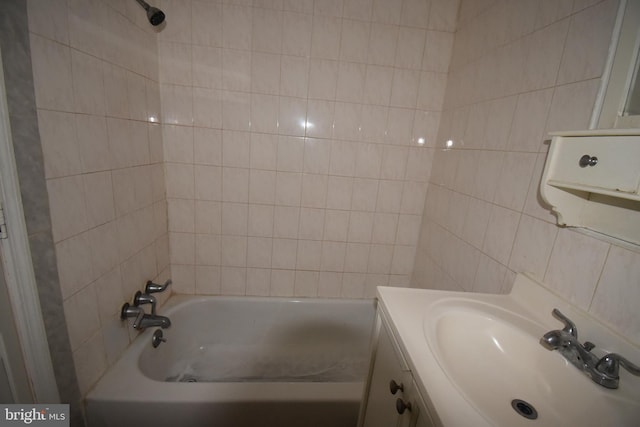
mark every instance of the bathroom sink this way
{"type": "Point", "coordinates": [493, 357]}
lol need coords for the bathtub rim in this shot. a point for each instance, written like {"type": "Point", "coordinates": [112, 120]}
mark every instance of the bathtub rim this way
{"type": "Point", "coordinates": [176, 301]}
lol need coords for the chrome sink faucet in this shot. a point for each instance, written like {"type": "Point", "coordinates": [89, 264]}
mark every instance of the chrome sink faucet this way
{"type": "Point", "coordinates": [603, 371]}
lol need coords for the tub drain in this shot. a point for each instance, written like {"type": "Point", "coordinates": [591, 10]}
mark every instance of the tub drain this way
{"type": "Point", "coordinates": [524, 409]}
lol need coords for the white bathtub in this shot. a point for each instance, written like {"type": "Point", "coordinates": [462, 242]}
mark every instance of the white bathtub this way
{"type": "Point", "coordinates": [242, 362]}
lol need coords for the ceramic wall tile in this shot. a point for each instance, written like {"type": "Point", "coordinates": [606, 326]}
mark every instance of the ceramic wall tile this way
{"type": "Point", "coordinates": [614, 296]}
{"type": "Point", "coordinates": [575, 266]}
{"type": "Point", "coordinates": [282, 283]}
{"type": "Point", "coordinates": [207, 280]}
{"type": "Point", "coordinates": [90, 362]}
{"type": "Point", "coordinates": [532, 247]}
{"type": "Point", "coordinates": [93, 143]}
{"type": "Point", "coordinates": [52, 74]}
{"type": "Point", "coordinates": [500, 234]}
{"type": "Point", "coordinates": [589, 32]}
{"type": "Point", "coordinates": [513, 183]}
{"type": "Point", "coordinates": [284, 254]}
{"type": "Point", "coordinates": [87, 58]}
{"type": "Point", "coordinates": [294, 76]}
{"type": "Point", "coordinates": [280, 127]}
{"type": "Point", "coordinates": [296, 33]}
{"type": "Point", "coordinates": [514, 76]}
{"type": "Point", "coordinates": [206, 19]}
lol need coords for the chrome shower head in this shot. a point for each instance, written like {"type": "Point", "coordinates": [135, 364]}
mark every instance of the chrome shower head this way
{"type": "Point", "coordinates": [154, 15]}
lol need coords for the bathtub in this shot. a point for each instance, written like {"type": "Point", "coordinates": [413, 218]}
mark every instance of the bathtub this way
{"type": "Point", "coordinates": [242, 362]}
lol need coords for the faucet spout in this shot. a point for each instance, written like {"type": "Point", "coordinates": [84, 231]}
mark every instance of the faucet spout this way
{"type": "Point", "coordinates": [153, 320]}
{"type": "Point", "coordinates": [552, 340]}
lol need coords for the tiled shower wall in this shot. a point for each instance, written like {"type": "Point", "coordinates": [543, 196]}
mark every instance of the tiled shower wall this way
{"type": "Point", "coordinates": [298, 139]}
{"type": "Point", "coordinates": [519, 70]}
{"type": "Point", "coordinates": [95, 74]}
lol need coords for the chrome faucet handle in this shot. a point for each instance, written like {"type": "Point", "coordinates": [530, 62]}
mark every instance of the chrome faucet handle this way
{"type": "Point", "coordinates": [128, 311]}
{"type": "Point", "coordinates": [610, 365]}
{"type": "Point", "coordinates": [141, 298]}
{"type": "Point", "coordinates": [569, 326]}
{"type": "Point", "coordinates": [152, 288]}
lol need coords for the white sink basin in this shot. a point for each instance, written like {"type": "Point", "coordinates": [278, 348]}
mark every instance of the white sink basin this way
{"type": "Point", "coordinates": [493, 356]}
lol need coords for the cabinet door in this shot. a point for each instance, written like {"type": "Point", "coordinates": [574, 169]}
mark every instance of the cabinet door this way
{"type": "Point", "coordinates": [381, 403]}
{"type": "Point", "coordinates": [418, 415]}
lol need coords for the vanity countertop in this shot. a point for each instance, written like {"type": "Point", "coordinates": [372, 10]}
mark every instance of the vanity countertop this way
{"type": "Point", "coordinates": [424, 324]}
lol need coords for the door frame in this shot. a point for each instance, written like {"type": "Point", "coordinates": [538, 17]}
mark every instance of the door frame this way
{"type": "Point", "coordinates": [18, 267]}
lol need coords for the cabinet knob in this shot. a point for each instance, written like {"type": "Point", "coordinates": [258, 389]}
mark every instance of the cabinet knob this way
{"type": "Point", "coordinates": [587, 160]}
{"type": "Point", "coordinates": [394, 387]}
{"type": "Point", "coordinates": [402, 406]}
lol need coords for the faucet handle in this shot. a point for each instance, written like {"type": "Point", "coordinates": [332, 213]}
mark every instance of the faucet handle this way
{"type": "Point", "coordinates": [569, 326]}
{"type": "Point", "coordinates": [151, 287]}
{"type": "Point", "coordinates": [127, 311]}
{"type": "Point", "coordinates": [610, 365]}
{"type": "Point", "coordinates": [141, 298]}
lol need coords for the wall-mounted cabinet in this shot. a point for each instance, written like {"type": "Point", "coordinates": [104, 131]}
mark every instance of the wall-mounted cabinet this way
{"type": "Point", "coordinates": [592, 180]}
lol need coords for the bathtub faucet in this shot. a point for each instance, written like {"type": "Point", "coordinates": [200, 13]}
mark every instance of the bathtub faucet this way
{"type": "Point", "coordinates": [143, 320]}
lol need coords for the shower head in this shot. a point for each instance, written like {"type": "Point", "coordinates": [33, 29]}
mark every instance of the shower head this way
{"type": "Point", "coordinates": [154, 15]}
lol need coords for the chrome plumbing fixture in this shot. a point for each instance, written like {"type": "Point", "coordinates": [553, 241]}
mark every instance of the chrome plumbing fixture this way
{"type": "Point", "coordinates": [141, 298]}
{"type": "Point", "coordinates": [128, 311]}
{"type": "Point", "coordinates": [154, 15]}
{"type": "Point", "coordinates": [157, 338]}
{"type": "Point", "coordinates": [143, 320]}
{"type": "Point", "coordinates": [152, 288]}
{"type": "Point", "coordinates": [603, 371]}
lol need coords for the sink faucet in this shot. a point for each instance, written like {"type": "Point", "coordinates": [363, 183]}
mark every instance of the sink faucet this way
{"type": "Point", "coordinates": [603, 371]}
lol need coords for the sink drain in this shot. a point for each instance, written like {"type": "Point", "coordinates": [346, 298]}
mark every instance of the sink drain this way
{"type": "Point", "coordinates": [524, 409]}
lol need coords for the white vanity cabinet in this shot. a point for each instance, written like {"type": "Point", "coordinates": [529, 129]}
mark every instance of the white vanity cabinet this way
{"type": "Point", "coordinates": [391, 396]}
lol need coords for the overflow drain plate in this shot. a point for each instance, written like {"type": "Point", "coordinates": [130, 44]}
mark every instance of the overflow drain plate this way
{"type": "Point", "coordinates": [524, 409]}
